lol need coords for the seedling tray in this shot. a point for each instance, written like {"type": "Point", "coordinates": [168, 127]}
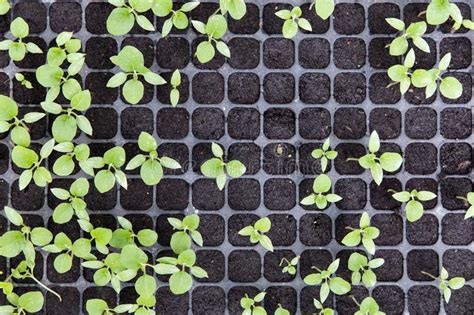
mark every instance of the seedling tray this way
{"type": "Point", "coordinates": [269, 106]}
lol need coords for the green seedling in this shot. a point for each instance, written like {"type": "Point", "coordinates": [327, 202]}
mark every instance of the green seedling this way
{"type": "Point", "coordinates": [27, 303]}
{"type": "Point", "coordinates": [291, 265]}
{"type": "Point", "coordinates": [214, 29]}
{"type": "Point", "coordinates": [388, 161]}
{"type": "Point", "coordinates": [32, 163]}
{"type": "Point", "coordinates": [123, 17]}
{"type": "Point", "coordinates": [17, 49]}
{"type": "Point", "coordinates": [321, 310]}
{"type": "Point", "coordinates": [125, 235]}
{"type": "Point", "coordinates": [180, 280]}
{"type": "Point", "coordinates": [401, 73]}
{"type": "Point", "coordinates": [281, 310]}
{"type": "Point", "coordinates": [414, 31]}
{"type": "Point", "coordinates": [23, 241]}
{"type": "Point", "coordinates": [414, 208]}
{"type": "Point", "coordinates": [100, 307]}
{"type": "Point", "coordinates": [73, 202]}
{"type": "Point", "coordinates": [216, 167]}
{"type": "Point", "coordinates": [446, 286]}
{"type": "Point", "coordinates": [23, 81]}
{"type": "Point", "coordinates": [361, 269]}
{"type": "Point", "coordinates": [450, 87]}
{"type": "Point", "coordinates": [130, 60]}
{"type": "Point", "coordinates": [151, 165]}
{"type": "Point", "coordinates": [64, 165]}
{"type": "Point", "coordinates": [325, 154]}
{"type": "Point", "coordinates": [4, 7]}
{"type": "Point", "coordinates": [113, 159]}
{"type": "Point", "coordinates": [236, 8]}
{"type": "Point", "coordinates": [256, 233]}
{"type": "Point", "coordinates": [469, 199]}
{"type": "Point", "coordinates": [175, 83]}
{"type": "Point", "coordinates": [67, 49]}
{"type": "Point", "coordinates": [364, 233]}
{"type": "Point", "coordinates": [293, 21]}
{"type": "Point", "coordinates": [439, 11]}
{"type": "Point", "coordinates": [250, 305]}
{"type": "Point", "coordinates": [323, 8]}
{"type": "Point", "coordinates": [368, 306]}
{"type": "Point", "coordinates": [178, 18]}
{"type": "Point", "coordinates": [330, 282]}
{"type": "Point", "coordinates": [181, 240]}
{"type": "Point", "coordinates": [9, 120]}
{"type": "Point", "coordinates": [320, 197]}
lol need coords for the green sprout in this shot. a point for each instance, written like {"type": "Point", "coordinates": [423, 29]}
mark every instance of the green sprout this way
{"type": "Point", "coordinates": [24, 82]}
{"type": "Point", "coordinates": [364, 233]}
{"type": "Point", "coordinates": [414, 31]}
{"type": "Point", "coordinates": [64, 165]}
{"type": "Point", "coordinates": [73, 202]}
{"type": "Point", "coordinates": [388, 161]}
{"type": "Point", "coordinates": [401, 73]}
{"type": "Point", "coordinates": [250, 305]}
{"type": "Point", "coordinates": [450, 87]}
{"type": "Point", "coordinates": [320, 197]}
{"type": "Point", "coordinates": [214, 29]}
{"type": "Point", "coordinates": [291, 265]}
{"type": "Point", "coordinates": [180, 240]}
{"type": "Point", "coordinates": [368, 306]}
{"type": "Point", "coordinates": [236, 8]}
{"type": "Point", "coordinates": [281, 310]}
{"type": "Point", "coordinates": [178, 19]}
{"type": "Point", "coordinates": [414, 208]}
{"type": "Point", "coordinates": [324, 154]}
{"type": "Point", "coordinates": [122, 18]}
{"type": "Point", "coordinates": [9, 118]}
{"type": "Point", "coordinates": [4, 7]}
{"type": "Point", "coordinates": [67, 49]}
{"type": "Point", "coordinates": [125, 235]}
{"type": "Point", "coordinates": [330, 283]}
{"type": "Point", "coordinates": [104, 180]}
{"type": "Point", "coordinates": [130, 60]}
{"type": "Point", "coordinates": [32, 163]}
{"type": "Point", "coordinates": [100, 307]}
{"type": "Point", "coordinates": [214, 168]}
{"type": "Point", "coordinates": [293, 20]}
{"type": "Point", "coordinates": [439, 11]}
{"type": "Point", "coordinates": [469, 199]}
{"type": "Point", "coordinates": [17, 49]}
{"type": "Point", "coordinates": [29, 302]}
{"type": "Point", "coordinates": [151, 165]}
{"type": "Point", "coordinates": [321, 309]}
{"type": "Point", "coordinates": [445, 285]}
{"type": "Point", "coordinates": [180, 280]}
{"type": "Point", "coordinates": [175, 83]}
{"type": "Point", "coordinates": [256, 233]}
{"type": "Point", "coordinates": [361, 269]}
{"type": "Point", "coordinates": [323, 8]}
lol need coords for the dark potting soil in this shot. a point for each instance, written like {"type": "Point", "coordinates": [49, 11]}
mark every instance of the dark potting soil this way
{"type": "Point", "coordinates": [363, 103]}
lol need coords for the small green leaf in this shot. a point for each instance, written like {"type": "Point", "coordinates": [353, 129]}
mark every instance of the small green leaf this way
{"type": "Point", "coordinates": [31, 302]}
{"type": "Point", "coordinates": [451, 88]}
{"type": "Point", "coordinates": [19, 28]}
{"type": "Point", "coordinates": [133, 91]}
{"type": "Point", "coordinates": [180, 282]}
{"type": "Point", "coordinates": [120, 21]}
{"type": "Point", "coordinates": [63, 263]}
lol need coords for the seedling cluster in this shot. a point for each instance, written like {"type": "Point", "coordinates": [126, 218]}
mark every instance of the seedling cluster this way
{"type": "Point", "coordinates": [121, 255]}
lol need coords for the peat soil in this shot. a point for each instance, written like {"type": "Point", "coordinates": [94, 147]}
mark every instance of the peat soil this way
{"type": "Point", "coordinates": [269, 105]}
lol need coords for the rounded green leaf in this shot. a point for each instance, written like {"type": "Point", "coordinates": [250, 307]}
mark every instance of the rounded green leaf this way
{"type": "Point", "coordinates": [180, 241]}
{"type": "Point", "coordinates": [63, 213]}
{"type": "Point", "coordinates": [31, 302]}
{"type": "Point", "coordinates": [290, 28]}
{"type": "Point", "coordinates": [324, 8]}
{"type": "Point", "coordinates": [117, 80]}
{"type": "Point", "coordinates": [437, 12]}
{"type": "Point", "coordinates": [205, 52]}
{"type": "Point", "coordinates": [151, 172]}
{"type": "Point", "coordinates": [399, 46]}
{"type": "Point", "coordinates": [133, 91]}
{"type": "Point", "coordinates": [180, 282]}
{"type": "Point", "coordinates": [102, 277]}
{"type": "Point", "coordinates": [17, 51]}
{"type": "Point", "coordinates": [369, 278]}
{"type": "Point", "coordinates": [49, 75]}
{"type": "Point", "coordinates": [147, 237]}
{"type": "Point", "coordinates": [212, 168]}
{"type": "Point", "coordinates": [8, 108]}
{"type": "Point", "coordinates": [41, 236]}
{"type": "Point", "coordinates": [23, 157]}
{"type": "Point", "coordinates": [63, 263]}
{"type": "Point", "coordinates": [146, 142]}
{"type": "Point", "coordinates": [104, 181]}
{"type": "Point", "coordinates": [414, 210]}
{"type": "Point", "coordinates": [80, 187]}
{"type": "Point", "coordinates": [64, 128]}
{"type": "Point", "coordinates": [120, 21]}
{"type": "Point", "coordinates": [216, 26]}
{"type": "Point", "coordinates": [19, 28]}
{"type": "Point", "coordinates": [322, 184]}
{"type": "Point", "coordinates": [352, 238]}
{"type": "Point", "coordinates": [339, 286]}
{"type": "Point", "coordinates": [451, 88]}
{"type": "Point", "coordinates": [235, 168]}
{"type": "Point", "coordinates": [20, 136]}
{"type": "Point", "coordinates": [145, 285]}
{"type": "Point", "coordinates": [390, 161]}
{"type": "Point", "coordinates": [64, 166]}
